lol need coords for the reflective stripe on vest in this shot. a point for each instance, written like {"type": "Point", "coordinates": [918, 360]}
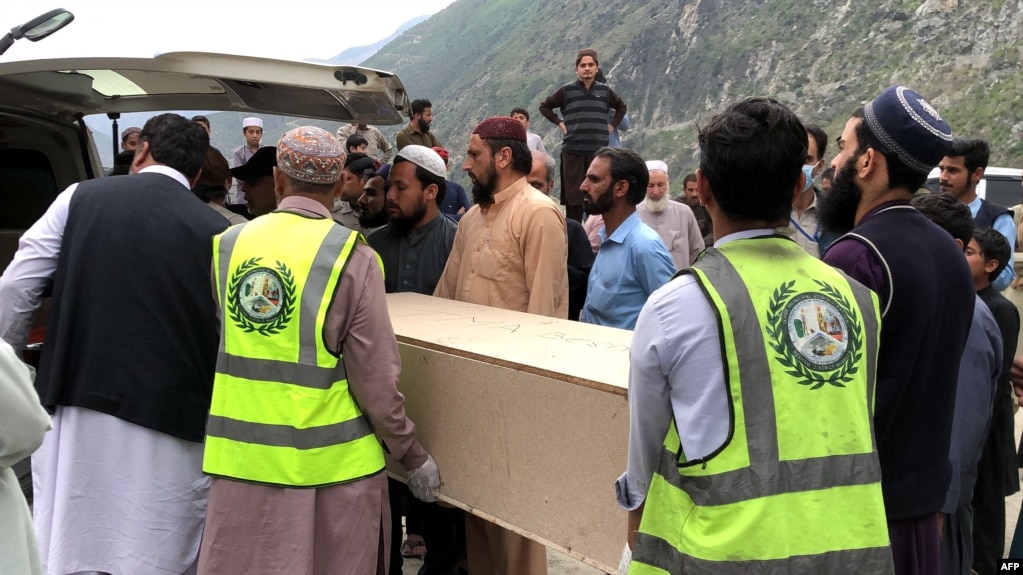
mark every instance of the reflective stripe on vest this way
{"type": "Point", "coordinates": [848, 561]}
{"type": "Point", "coordinates": [281, 411]}
{"type": "Point", "coordinates": [287, 436]}
{"type": "Point", "coordinates": [796, 487]}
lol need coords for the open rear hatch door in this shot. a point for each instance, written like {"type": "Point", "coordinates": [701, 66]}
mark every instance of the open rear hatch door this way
{"type": "Point", "coordinates": [74, 87]}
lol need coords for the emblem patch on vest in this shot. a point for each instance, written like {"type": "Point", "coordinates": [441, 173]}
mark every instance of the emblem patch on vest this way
{"type": "Point", "coordinates": [259, 298]}
{"type": "Point", "coordinates": [816, 335]}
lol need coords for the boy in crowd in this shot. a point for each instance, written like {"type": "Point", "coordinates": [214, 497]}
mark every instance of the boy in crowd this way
{"type": "Point", "coordinates": [987, 254]}
{"type": "Point", "coordinates": [252, 129]}
{"type": "Point", "coordinates": [975, 393]}
{"type": "Point", "coordinates": [356, 144]}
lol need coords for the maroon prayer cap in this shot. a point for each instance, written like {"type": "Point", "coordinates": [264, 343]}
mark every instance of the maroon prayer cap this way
{"type": "Point", "coordinates": [501, 128]}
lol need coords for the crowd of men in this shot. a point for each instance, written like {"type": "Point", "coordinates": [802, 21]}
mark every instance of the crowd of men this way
{"type": "Point", "coordinates": [819, 377]}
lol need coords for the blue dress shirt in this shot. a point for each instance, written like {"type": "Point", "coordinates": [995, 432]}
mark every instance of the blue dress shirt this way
{"type": "Point", "coordinates": [630, 265]}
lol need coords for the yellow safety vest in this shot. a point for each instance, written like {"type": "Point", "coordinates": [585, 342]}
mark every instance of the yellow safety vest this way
{"type": "Point", "coordinates": [796, 488]}
{"type": "Point", "coordinates": [281, 412]}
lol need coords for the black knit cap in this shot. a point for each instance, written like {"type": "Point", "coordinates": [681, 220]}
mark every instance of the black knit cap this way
{"type": "Point", "coordinates": [907, 126]}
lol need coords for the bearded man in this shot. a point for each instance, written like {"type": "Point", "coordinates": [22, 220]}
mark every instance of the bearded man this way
{"type": "Point", "coordinates": [372, 203]}
{"type": "Point", "coordinates": [673, 221]}
{"type": "Point", "coordinates": [885, 152]}
{"type": "Point", "coordinates": [632, 261]}
{"type": "Point", "coordinates": [415, 243]}
{"type": "Point", "coordinates": [510, 252]}
{"type": "Point", "coordinates": [511, 246]}
{"type": "Point", "coordinates": [418, 129]}
{"type": "Point", "coordinates": [414, 246]}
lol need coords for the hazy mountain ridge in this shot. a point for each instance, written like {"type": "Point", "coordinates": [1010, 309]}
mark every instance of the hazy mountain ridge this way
{"type": "Point", "coordinates": [356, 55]}
{"type": "Point", "coordinates": [676, 63]}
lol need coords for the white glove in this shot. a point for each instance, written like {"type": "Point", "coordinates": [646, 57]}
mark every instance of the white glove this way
{"type": "Point", "coordinates": [623, 566]}
{"type": "Point", "coordinates": [424, 481]}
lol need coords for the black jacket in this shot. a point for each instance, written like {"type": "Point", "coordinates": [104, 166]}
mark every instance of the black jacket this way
{"type": "Point", "coordinates": [133, 330]}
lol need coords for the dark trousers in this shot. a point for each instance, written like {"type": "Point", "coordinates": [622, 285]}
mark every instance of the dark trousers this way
{"type": "Point", "coordinates": [573, 172]}
{"type": "Point", "coordinates": [444, 535]}
{"type": "Point", "coordinates": [396, 492]}
{"type": "Point", "coordinates": [442, 530]}
{"type": "Point", "coordinates": [916, 545]}
{"type": "Point", "coordinates": [574, 213]}
{"type": "Point", "coordinates": [957, 540]}
{"type": "Point", "coordinates": [989, 509]}
{"type": "Point", "coordinates": [1016, 548]}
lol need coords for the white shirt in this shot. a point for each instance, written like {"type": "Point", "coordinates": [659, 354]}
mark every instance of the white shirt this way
{"type": "Point", "coordinates": [676, 370]}
{"type": "Point", "coordinates": [535, 142]}
{"type": "Point", "coordinates": [115, 497]}
{"type": "Point", "coordinates": [22, 425]}
{"type": "Point", "coordinates": [678, 229]}
{"type": "Point", "coordinates": [35, 262]}
{"type": "Point", "coordinates": [805, 229]}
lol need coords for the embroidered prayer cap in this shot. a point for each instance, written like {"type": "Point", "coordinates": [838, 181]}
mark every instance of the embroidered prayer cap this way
{"type": "Point", "coordinates": [310, 154]}
{"type": "Point", "coordinates": [214, 169]}
{"type": "Point", "coordinates": [129, 131]}
{"type": "Point", "coordinates": [425, 158]}
{"type": "Point", "coordinates": [252, 122]}
{"type": "Point", "coordinates": [261, 164]}
{"type": "Point", "coordinates": [501, 128]}
{"type": "Point", "coordinates": [907, 126]}
{"type": "Point", "coordinates": [442, 152]}
{"type": "Point", "coordinates": [586, 52]}
{"type": "Point", "coordinates": [384, 171]}
{"type": "Point", "coordinates": [657, 165]}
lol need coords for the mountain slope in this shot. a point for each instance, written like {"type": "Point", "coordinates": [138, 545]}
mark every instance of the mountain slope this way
{"type": "Point", "coordinates": [355, 56]}
{"type": "Point", "coordinates": [676, 63]}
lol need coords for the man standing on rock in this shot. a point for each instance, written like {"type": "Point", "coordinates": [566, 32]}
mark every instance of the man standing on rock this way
{"type": "Point", "coordinates": [584, 108]}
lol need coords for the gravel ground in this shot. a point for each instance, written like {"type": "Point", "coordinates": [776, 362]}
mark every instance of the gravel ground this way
{"type": "Point", "coordinates": [557, 564]}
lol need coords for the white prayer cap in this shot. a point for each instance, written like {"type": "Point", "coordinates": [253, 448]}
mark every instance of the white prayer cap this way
{"type": "Point", "coordinates": [425, 158]}
{"type": "Point", "coordinates": [252, 122]}
{"type": "Point", "coordinates": [657, 165]}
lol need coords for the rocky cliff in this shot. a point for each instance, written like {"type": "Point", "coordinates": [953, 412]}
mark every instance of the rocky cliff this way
{"type": "Point", "coordinates": [676, 63]}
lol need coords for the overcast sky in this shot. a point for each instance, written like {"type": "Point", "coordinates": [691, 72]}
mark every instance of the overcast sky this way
{"type": "Point", "coordinates": [290, 30]}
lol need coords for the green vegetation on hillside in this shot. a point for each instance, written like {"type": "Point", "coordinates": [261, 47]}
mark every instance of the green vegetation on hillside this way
{"type": "Point", "coordinates": [676, 63]}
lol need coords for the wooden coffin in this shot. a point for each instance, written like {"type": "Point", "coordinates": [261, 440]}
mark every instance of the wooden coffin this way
{"type": "Point", "coordinates": [526, 416]}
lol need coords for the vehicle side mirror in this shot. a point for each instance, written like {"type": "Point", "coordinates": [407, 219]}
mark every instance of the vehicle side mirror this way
{"type": "Point", "coordinates": [37, 28]}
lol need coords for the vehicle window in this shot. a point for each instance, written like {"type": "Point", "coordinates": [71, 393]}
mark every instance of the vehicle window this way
{"type": "Point", "coordinates": [1003, 191]}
